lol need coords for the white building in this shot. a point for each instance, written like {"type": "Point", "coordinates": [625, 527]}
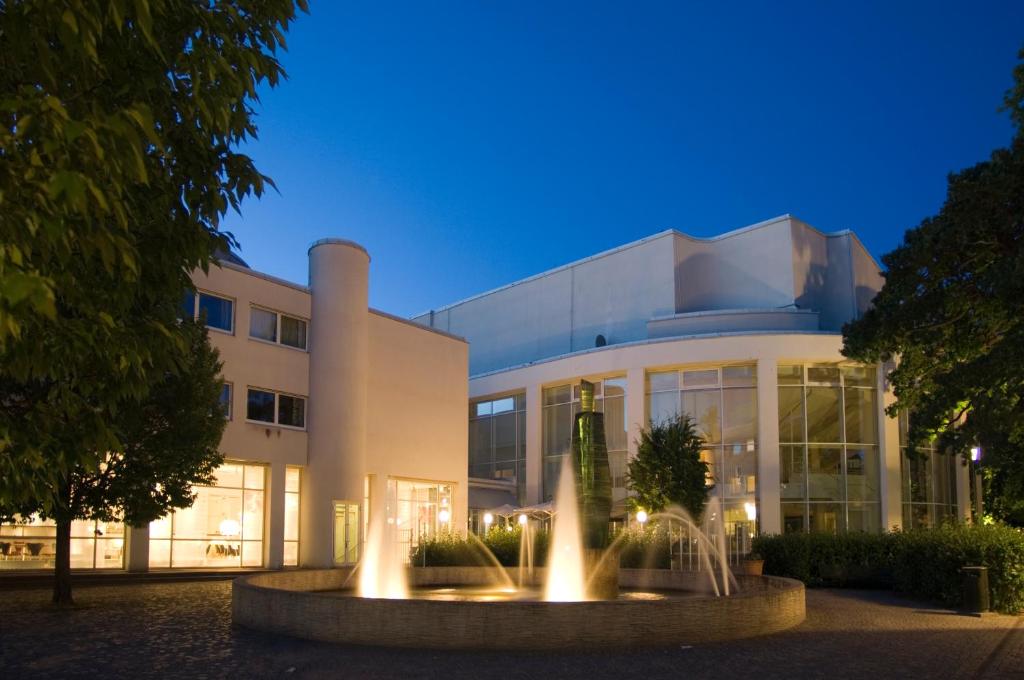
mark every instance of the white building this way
{"type": "Point", "coordinates": [339, 413]}
{"type": "Point", "coordinates": [741, 331]}
{"type": "Point", "coordinates": [336, 411]}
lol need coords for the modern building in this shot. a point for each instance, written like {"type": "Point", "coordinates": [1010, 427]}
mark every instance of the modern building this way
{"type": "Point", "coordinates": [339, 413]}
{"type": "Point", "coordinates": [743, 333]}
{"type": "Point", "coordinates": [335, 412]}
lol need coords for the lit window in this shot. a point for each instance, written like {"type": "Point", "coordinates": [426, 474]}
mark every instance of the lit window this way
{"type": "Point", "coordinates": [265, 406]}
{"type": "Point", "coordinates": [278, 328]}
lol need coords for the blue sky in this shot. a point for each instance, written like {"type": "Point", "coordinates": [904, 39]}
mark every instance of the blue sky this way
{"type": "Point", "coordinates": [468, 145]}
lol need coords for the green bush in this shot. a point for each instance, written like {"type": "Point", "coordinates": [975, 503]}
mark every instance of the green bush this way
{"type": "Point", "coordinates": [646, 548]}
{"type": "Point", "coordinates": [454, 550]}
{"type": "Point", "coordinates": [925, 563]}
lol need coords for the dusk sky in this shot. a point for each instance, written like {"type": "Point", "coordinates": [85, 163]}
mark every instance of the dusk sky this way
{"type": "Point", "coordinates": [468, 145]}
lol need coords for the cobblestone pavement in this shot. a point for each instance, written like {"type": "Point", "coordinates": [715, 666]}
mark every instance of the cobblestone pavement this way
{"type": "Point", "coordinates": [183, 630]}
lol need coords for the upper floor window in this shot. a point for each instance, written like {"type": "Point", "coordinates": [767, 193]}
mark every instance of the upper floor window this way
{"type": "Point", "coordinates": [276, 408]}
{"type": "Point", "coordinates": [275, 327]}
{"type": "Point", "coordinates": [217, 312]}
{"type": "Point", "coordinates": [225, 399]}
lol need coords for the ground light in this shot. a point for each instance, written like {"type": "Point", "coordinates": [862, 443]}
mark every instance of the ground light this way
{"type": "Point", "coordinates": [488, 520]}
{"type": "Point", "coordinates": [522, 520]}
{"type": "Point", "coordinates": [641, 516]}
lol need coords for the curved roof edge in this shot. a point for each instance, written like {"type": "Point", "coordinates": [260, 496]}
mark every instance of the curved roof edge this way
{"type": "Point", "coordinates": [646, 341]}
{"type": "Point", "coordinates": [337, 242]}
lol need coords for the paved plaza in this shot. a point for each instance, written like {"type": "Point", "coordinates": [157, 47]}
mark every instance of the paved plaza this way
{"type": "Point", "coordinates": [183, 630]}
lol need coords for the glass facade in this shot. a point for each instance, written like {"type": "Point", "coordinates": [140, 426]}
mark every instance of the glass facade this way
{"type": "Point", "coordinates": [560, 406]}
{"type": "Point", "coordinates": [419, 510]}
{"type": "Point", "coordinates": [828, 448]}
{"type": "Point", "coordinates": [928, 483]}
{"type": "Point", "coordinates": [33, 545]}
{"type": "Point", "coordinates": [222, 528]}
{"type": "Point", "coordinates": [722, 401]}
{"type": "Point", "coordinates": [292, 485]}
{"type": "Point", "coordinates": [497, 440]}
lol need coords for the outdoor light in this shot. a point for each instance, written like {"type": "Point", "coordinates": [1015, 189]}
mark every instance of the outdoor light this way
{"type": "Point", "coordinates": [641, 516]}
{"type": "Point", "coordinates": [975, 454]}
{"type": "Point", "coordinates": [522, 520]}
{"type": "Point", "coordinates": [751, 511]}
{"type": "Point", "coordinates": [488, 519]}
{"type": "Point", "coordinates": [444, 516]}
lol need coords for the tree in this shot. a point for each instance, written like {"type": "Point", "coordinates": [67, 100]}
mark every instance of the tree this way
{"type": "Point", "coordinates": [118, 128]}
{"type": "Point", "coordinates": [169, 444]}
{"type": "Point", "coordinates": [950, 316]}
{"type": "Point", "coordinates": [667, 468]}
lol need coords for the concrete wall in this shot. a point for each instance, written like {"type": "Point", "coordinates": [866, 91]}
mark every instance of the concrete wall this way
{"type": "Point", "coordinates": [747, 268]}
{"type": "Point", "coordinates": [626, 294]}
{"type": "Point", "coordinates": [417, 398]}
{"type": "Point", "coordinates": [612, 294]}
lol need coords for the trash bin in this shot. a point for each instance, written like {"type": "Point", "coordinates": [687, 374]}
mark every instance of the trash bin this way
{"type": "Point", "coordinates": [975, 596]}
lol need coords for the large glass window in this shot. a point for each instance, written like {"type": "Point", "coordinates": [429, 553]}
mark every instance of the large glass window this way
{"type": "Point", "coordinates": [292, 486]}
{"type": "Point", "coordinates": [828, 448]}
{"type": "Point", "coordinates": [222, 528]}
{"type": "Point", "coordinates": [928, 482]}
{"type": "Point", "coordinates": [33, 545]}
{"type": "Point", "coordinates": [722, 401]}
{"type": "Point", "coordinates": [560, 406]}
{"type": "Point", "coordinates": [419, 510]}
{"type": "Point", "coordinates": [497, 440]}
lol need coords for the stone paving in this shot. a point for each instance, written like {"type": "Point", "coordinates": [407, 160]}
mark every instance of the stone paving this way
{"type": "Point", "coordinates": [183, 630]}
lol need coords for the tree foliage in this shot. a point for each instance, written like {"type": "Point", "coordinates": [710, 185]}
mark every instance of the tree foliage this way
{"type": "Point", "coordinates": [169, 443]}
{"type": "Point", "coordinates": [950, 317]}
{"type": "Point", "coordinates": [667, 469]}
{"type": "Point", "coordinates": [119, 123]}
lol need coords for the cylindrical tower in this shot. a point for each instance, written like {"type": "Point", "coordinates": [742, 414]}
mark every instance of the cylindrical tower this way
{"type": "Point", "coordinates": [338, 280]}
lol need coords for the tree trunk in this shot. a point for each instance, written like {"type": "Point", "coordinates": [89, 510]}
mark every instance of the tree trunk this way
{"type": "Point", "coordinates": [62, 564]}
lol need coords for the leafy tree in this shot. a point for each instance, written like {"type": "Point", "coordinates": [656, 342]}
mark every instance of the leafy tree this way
{"type": "Point", "coordinates": [950, 316]}
{"type": "Point", "coordinates": [118, 127]}
{"type": "Point", "coordinates": [667, 468]}
{"type": "Point", "coordinates": [169, 444]}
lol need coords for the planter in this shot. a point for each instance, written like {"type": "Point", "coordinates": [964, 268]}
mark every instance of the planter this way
{"type": "Point", "coordinates": [751, 567]}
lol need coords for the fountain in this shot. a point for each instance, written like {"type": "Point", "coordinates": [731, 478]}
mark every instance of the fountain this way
{"type": "Point", "coordinates": [579, 604]}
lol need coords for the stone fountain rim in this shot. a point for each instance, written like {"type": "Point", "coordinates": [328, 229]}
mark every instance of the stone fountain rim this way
{"type": "Point", "coordinates": [447, 624]}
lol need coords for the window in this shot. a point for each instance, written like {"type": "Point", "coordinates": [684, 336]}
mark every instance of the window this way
{"type": "Point", "coordinates": [217, 312]}
{"type": "Point", "coordinates": [418, 510]}
{"type": "Point", "coordinates": [33, 544]}
{"type": "Point", "coordinates": [929, 482]}
{"type": "Point", "coordinates": [497, 440]}
{"type": "Point", "coordinates": [225, 399]}
{"type": "Point", "coordinates": [560, 406]}
{"type": "Point", "coordinates": [722, 402]}
{"type": "Point", "coordinates": [292, 485]}
{"type": "Point", "coordinates": [222, 528]}
{"type": "Point", "coordinates": [278, 328]}
{"type": "Point", "coordinates": [346, 533]}
{"type": "Point", "coordinates": [265, 406]}
{"type": "Point", "coordinates": [828, 435]}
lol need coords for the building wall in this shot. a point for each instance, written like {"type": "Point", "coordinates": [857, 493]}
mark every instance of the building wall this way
{"type": "Point", "coordinates": [636, 360]}
{"type": "Point", "coordinates": [417, 397]}
{"type": "Point", "coordinates": [626, 294]}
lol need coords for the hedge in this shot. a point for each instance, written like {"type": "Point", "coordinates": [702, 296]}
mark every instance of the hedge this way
{"type": "Point", "coordinates": [925, 563]}
{"type": "Point", "coordinates": [453, 550]}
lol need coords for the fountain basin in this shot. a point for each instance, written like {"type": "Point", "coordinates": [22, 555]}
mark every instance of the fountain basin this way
{"type": "Point", "coordinates": [295, 603]}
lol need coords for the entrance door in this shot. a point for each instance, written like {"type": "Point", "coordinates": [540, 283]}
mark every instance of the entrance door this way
{"type": "Point", "coordinates": [346, 532]}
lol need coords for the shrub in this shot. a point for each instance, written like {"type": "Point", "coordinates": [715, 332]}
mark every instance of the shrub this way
{"type": "Point", "coordinates": [925, 563]}
{"type": "Point", "coordinates": [453, 550]}
{"type": "Point", "coordinates": [646, 548]}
